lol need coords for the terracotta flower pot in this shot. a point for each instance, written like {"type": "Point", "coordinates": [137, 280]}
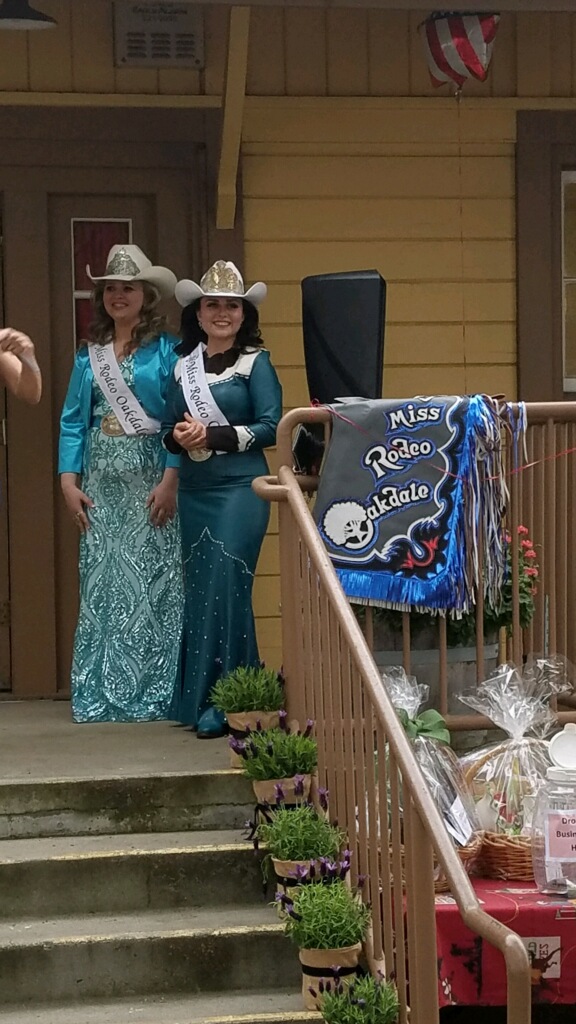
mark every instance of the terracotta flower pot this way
{"type": "Point", "coordinates": [265, 790]}
{"type": "Point", "coordinates": [319, 960]}
{"type": "Point", "coordinates": [238, 721]}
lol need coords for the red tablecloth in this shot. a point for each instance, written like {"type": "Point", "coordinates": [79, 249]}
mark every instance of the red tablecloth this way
{"type": "Point", "coordinates": [472, 973]}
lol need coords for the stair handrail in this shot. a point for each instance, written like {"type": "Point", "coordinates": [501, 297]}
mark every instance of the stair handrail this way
{"type": "Point", "coordinates": [287, 488]}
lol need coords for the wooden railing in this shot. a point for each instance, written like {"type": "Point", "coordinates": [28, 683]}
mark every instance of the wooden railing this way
{"type": "Point", "coordinates": [377, 792]}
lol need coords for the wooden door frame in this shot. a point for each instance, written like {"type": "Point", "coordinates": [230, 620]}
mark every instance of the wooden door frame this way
{"type": "Point", "coordinates": [546, 145]}
{"type": "Point", "coordinates": [37, 144]}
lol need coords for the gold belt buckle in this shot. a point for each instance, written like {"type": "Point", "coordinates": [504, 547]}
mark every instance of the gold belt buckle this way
{"type": "Point", "coordinates": [111, 426]}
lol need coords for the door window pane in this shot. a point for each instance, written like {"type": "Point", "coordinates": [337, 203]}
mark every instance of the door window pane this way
{"type": "Point", "coordinates": [91, 243]}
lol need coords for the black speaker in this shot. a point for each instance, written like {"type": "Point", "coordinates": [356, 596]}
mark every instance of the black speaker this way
{"type": "Point", "coordinates": [343, 325]}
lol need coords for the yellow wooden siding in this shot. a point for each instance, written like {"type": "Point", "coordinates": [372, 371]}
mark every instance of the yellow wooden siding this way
{"type": "Point", "coordinates": [344, 52]}
{"type": "Point", "coordinates": [321, 195]}
{"type": "Point", "coordinates": [293, 52]}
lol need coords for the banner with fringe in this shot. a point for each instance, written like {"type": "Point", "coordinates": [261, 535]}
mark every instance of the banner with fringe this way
{"type": "Point", "coordinates": [406, 490]}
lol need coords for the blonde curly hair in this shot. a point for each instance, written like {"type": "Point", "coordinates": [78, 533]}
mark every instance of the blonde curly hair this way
{"type": "Point", "coordinates": [101, 330]}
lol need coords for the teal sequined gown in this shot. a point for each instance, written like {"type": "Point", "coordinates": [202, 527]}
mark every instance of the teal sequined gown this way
{"type": "Point", "coordinates": [130, 620]}
{"type": "Point", "coordinates": [223, 523]}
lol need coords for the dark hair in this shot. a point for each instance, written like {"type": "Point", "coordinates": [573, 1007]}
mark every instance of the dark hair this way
{"type": "Point", "coordinates": [192, 334]}
{"type": "Point", "coordinates": [101, 330]}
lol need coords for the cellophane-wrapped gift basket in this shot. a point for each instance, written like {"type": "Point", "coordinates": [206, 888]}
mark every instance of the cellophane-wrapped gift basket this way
{"type": "Point", "coordinates": [439, 765]}
{"type": "Point", "coordinates": [505, 777]}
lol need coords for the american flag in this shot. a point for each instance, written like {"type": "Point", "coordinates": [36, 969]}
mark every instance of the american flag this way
{"type": "Point", "coordinates": [458, 46]}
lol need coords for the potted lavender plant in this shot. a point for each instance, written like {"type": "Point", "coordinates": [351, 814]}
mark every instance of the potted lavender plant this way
{"type": "Point", "coordinates": [298, 837]}
{"type": "Point", "coordinates": [328, 923]}
{"type": "Point", "coordinates": [367, 1000]}
{"type": "Point", "coordinates": [248, 697]}
{"type": "Point", "coordinates": [278, 757]}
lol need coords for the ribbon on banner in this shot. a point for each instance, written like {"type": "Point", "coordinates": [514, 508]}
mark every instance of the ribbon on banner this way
{"type": "Point", "coordinates": [406, 490]}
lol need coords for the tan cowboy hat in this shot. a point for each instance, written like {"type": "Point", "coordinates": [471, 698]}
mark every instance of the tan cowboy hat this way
{"type": "Point", "coordinates": [128, 263]}
{"type": "Point", "coordinates": [222, 280]}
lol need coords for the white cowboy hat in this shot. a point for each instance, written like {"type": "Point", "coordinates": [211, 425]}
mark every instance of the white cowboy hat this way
{"type": "Point", "coordinates": [128, 263]}
{"type": "Point", "coordinates": [223, 280]}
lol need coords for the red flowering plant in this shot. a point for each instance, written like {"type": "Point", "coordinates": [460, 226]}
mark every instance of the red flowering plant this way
{"type": "Point", "coordinates": [500, 615]}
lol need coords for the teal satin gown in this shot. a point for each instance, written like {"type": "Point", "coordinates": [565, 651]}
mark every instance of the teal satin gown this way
{"type": "Point", "coordinates": [131, 595]}
{"type": "Point", "coordinates": [223, 524]}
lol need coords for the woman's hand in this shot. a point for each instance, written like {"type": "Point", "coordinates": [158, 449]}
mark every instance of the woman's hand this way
{"type": "Point", "coordinates": [190, 433]}
{"type": "Point", "coordinates": [76, 501]}
{"type": "Point", "coordinates": [162, 500]}
{"type": "Point", "coordinates": [19, 370]}
{"type": "Point", "coordinates": [19, 344]}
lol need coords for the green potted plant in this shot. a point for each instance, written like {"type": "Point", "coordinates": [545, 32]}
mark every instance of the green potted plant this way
{"type": "Point", "coordinates": [273, 758]}
{"type": "Point", "coordinates": [328, 923]}
{"type": "Point", "coordinates": [248, 696]}
{"type": "Point", "coordinates": [367, 1000]}
{"type": "Point", "coordinates": [297, 837]}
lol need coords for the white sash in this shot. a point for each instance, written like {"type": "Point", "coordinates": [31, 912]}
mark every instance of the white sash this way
{"type": "Point", "coordinates": [197, 392]}
{"type": "Point", "coordinates": [127, 408]}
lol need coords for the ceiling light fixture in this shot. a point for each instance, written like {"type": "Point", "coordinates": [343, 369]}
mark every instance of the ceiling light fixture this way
{"type": "Point", "coordinates": [17, 14]}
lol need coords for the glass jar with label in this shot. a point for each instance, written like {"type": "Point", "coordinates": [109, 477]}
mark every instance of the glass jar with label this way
{"type": "Point", "coordinates": [554, 821]}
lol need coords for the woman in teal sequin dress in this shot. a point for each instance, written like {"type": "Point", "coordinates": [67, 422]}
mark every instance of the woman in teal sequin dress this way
{"type": "Point", "coordinates": [223, 521]}
{"type": "Point", "coordinates": [120, 489]}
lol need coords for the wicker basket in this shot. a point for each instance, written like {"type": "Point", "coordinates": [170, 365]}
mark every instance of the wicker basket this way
{"type": "Point", "coordinates": [506, 856]}
{"type": "Point", "coordinates": [469, 855]}
{"type": "Point", "coordinates": [503, 855]}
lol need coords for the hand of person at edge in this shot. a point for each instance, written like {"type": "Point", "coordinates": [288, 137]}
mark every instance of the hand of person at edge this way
{"type": "Point", "coordinates": [77, 502]}
{"type": "Point", "coordinates": [162, 503]}
{"type": "Point", "coordinates": [18, 343]}
{"type": "Point", "coordinates": [190, 433]}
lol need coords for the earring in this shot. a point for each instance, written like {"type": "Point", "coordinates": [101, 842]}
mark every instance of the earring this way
{"type": "Point", "coordinates": [200, 325]}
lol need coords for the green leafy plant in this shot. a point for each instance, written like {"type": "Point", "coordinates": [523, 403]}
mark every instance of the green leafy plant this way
{"type": "Point", "coordinates": [366, 1000]}
{"type": "Point", "coordinates": [248, 689]}
{"type": "Point", "coordinates": [277, 753]}
{"type": "Point", "coordinates": [325, 916]}
{"type": "Point", "coordinates": [300, 833]}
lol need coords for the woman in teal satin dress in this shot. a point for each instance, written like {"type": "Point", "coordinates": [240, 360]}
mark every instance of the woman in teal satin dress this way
{"type": "Point", "coordinates": [120, 488]}
{"type": "Point", "coordinates": [220, 426]}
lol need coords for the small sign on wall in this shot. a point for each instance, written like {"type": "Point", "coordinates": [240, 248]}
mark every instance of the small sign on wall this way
{"type": "Point", "coordinates": [149, 34]}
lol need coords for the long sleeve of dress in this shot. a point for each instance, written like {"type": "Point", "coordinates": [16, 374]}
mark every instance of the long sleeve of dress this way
{"type": "Point", "coordinates": [72, 423]}
{"type": "Point", "coordinates": [266, 397]}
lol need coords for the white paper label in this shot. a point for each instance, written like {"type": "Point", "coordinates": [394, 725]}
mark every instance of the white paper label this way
{"type": "Point", "coordinates": [545, 952]}
{"type": "Point", "coordinates": [458, 823]}
{"type": "Point", "coordinates": [560, 836]}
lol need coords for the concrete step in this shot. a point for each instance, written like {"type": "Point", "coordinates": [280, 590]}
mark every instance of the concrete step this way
{"type": "Point", "coordinates": [281, 1006]}
{"type": "Point", "coordinates": [166, 802]}
{"type": "Point", "coordinates": [119, 874]}
{"type": "Point", "coordinates": [154, 953]}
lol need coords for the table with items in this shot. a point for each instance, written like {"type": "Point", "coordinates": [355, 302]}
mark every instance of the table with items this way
{"type": "Point", "coordinates": [471, 972]}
